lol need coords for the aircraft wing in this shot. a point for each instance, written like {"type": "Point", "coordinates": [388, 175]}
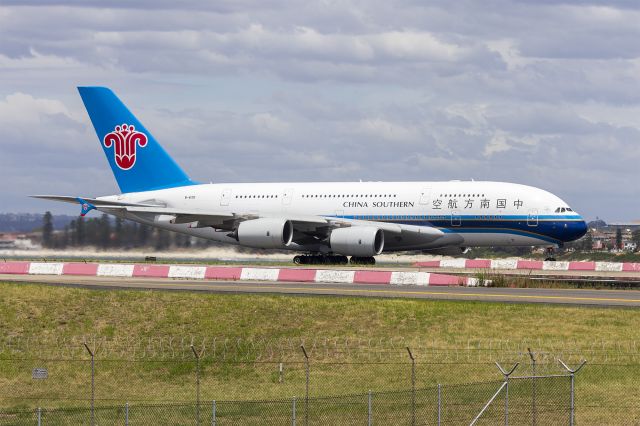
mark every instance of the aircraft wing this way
{"type": "Point", "coordinates": [197, 218]}
{"type": "Point", "coordinates": [307, 227]}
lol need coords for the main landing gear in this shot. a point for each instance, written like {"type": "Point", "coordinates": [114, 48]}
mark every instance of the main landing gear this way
{"type": "Point", "coordinates": [331, 259]}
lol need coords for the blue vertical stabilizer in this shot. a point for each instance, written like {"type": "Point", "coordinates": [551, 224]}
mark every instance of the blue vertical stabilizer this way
{"type": "Point", "coordinates": [137, 160]}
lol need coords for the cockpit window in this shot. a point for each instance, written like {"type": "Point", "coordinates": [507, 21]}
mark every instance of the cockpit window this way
{"type": "Point", "coordinates": [563, 209]}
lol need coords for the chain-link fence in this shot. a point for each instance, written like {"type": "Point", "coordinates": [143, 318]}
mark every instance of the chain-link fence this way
{"type": "Point", "coordinates": [606, 392]}
{"type": "Point", "coordinates": [485, 403]}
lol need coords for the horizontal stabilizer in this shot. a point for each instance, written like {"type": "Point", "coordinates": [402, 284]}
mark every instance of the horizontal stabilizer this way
{"type": "Point", "coordinates": [95, 201]}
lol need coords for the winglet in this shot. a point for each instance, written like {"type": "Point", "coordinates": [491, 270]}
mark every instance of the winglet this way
{"type": "Point", "coordinates": [86, 206]}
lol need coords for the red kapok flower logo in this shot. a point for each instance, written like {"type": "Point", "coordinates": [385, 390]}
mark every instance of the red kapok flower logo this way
{"type": "Point", "coordinates": [124, 140]}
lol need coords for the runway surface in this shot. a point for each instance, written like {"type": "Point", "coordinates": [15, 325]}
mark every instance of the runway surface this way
{"type": "Point", "coordinates": [622, 298]}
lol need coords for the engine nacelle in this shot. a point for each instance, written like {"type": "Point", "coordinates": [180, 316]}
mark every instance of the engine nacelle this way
{"type": "Point", "coordinates": [265, 233]}
{"type": "Point", "coordinates": [357, 241]}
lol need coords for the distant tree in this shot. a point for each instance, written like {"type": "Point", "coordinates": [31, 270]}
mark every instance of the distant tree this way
{"type": "Point", "coordinates": [618, 238]}
{"type": "Point", "coordinates": [162, 239]}
{"type": "Point", "coordinates": [104, 231]}
{"type": "Point", "coordinates": [587, 241]}
{"type": "Point", "coordinates": [80, 231]}
{"type": "Point", "coordinates": [47, 230]}
{"type": "Point", "coordinates": [142, 236]}
{"type": "Point", "coordinates": [118, 232]}
{"type": "Point", "coordinates": [635, 237]}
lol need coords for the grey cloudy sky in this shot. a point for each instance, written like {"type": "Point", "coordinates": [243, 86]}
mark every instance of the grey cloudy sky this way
{"type": "Point", "coordinates": [539, 92]}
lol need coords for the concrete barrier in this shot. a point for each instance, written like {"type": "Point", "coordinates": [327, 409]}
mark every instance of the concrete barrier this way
{"type": "Point", "coordinates": [334, 276]}
{"type": "Point", "coordinates": [17, 268]}
{"type": "Point", "coordinates": [88, 269]}
{"type": "Point", "coordinates": [410, 278]}
{"type": "Point", "coordinates": [364, 276]}
{"type": "Point", "coordinates": [188, 272]}
{"type": "Point", "coordinates": [38, 268]}
{"type": "Point", "coordinates": [509, 264]}
{"type": "Point", "coordinates": [259, 274]}
{"type": "Point", "coordinates": [151, 271]}
{"type": "Point", "coordinates": [114, 270]}
{"type": "Point", "coordinates": [297, 275]}
{"type": "Point", "coordinates": [372, 277]}
{"type": "Point", "coordinates": [504, 264]}
{"type": "Point", "coordinates": [223, 273]}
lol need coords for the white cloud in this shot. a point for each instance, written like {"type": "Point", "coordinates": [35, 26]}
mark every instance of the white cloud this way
{"type": "Point", "coordinates": [539, 92]}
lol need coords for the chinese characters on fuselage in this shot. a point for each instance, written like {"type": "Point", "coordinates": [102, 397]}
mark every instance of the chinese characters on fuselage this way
{"type": "Point", "coordinates": [470, 203]}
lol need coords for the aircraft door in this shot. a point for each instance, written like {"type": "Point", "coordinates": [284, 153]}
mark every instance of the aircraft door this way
{"type": "Point", "coordinates": [226, 196]}
{"type": "Point", "coordinates": [456, 219]}
{"type": "Point", "coordinates": [286, 196]}
{"type": "Point", "coordinates": [532, 217]}
{"type": "Point", "coordinates": [425, 194]}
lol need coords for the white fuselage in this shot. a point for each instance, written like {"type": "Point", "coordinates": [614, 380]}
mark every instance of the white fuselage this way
{"type": "Point", "coordinates": [471, 213]}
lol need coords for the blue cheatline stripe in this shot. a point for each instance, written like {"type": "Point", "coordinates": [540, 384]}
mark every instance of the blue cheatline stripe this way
{"type": "Point", "coordinates": [553, 230]}
{"type": "Point", "coordinates": [458, 230]}
{"type": "Point", "coordinates": [487, 218]}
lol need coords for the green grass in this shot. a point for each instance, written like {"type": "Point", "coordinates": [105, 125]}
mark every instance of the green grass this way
{"type": "Point", "coordinates": [451, 329]}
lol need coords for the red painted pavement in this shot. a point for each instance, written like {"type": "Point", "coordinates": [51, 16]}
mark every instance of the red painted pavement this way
{"type": "Point", "coordinates": [372, 277]}
{"type": "Point", "coordinates": [14, 267]}
{"type": "Point", "coordinates": [477, 263]}
{"type": "Point", "coordinates": [428, 264]}
{"type": "Point", "coordinates": [530, 264]}
{"type": "Point", "coordinates": [156, 271]}
{"type": "Point", "coordinates": [90, 269]}
{"type": "Point", "coordinates": [439, 279]}
{"type": "Point", "coordinates": [631, 267]}
{"type": "Point", "coordinates": [222, 273]}
{"type": "Point", "coordinates": [301, 275]}
{"type": "Point", "coordinates": [582, 266]}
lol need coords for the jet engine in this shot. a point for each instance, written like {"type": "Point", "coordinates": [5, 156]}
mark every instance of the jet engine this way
{"type": "Point", "coordinates": [357, 241]}
{"type": "Point", "coordinates": [265, 233]}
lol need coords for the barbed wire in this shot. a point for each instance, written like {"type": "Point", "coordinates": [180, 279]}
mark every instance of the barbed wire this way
{"type": "Point", "coordinates": [280, 349]}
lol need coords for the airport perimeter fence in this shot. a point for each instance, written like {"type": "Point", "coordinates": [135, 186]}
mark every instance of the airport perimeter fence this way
{"type": "Point", "coordinates": [606, 392]}
{"type": "Point", "coordinates": [512, 401]}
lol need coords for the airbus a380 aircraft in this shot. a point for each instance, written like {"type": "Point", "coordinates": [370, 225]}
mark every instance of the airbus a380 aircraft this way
{"type": "Point", "coordinates": [326, 221]}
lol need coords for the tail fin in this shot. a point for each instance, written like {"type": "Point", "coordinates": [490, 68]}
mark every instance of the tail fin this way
{"type": "Point", "coordinates": [137, 160]}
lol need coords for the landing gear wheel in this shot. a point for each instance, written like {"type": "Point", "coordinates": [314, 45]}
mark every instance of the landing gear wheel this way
{"type": "Point", "coordinates": [321, 259]}
{"type": "Point", "coordinates": [356, 260]}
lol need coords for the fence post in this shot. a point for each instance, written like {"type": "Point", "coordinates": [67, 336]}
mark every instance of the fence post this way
{"type": "Point", "coordinates": [439, 404]}
{"type": "Point", "coordinates": [369, 410]}
{"type": "Point", "coordinates": [506, 388]}
{"type": "Point", "coordinates": [93, 389]}
{"type": "Point", "coordinates": [293, 412]}
{"type": "Point", "coordinates": [534, 409]}
{"type": "Point", "coordinates": [572, 374]}
{"type": "Point", "coordinates": [39, 416]}
{"type": "Point", "coordinates": [213, 413]}
{"type": "Point", "coordinates": [126, 414]}
{"type": "Point", "coordinates": [306, 392]}
{"type": "Point", "coordinates": [413, 387]}
{"type": "Point", "coordinates": [197, 384]}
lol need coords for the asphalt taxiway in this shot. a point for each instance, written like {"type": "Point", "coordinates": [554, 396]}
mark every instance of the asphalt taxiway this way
{"type": "Point", "coordinates": [619, 298]}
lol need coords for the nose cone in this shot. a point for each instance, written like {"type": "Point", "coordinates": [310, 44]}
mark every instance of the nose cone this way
{"type": "Point", "coordinates": [574, 230]}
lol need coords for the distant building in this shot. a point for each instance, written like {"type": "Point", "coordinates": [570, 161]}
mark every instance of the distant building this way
{"type": "Point", "coordinates": [17, 242]}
